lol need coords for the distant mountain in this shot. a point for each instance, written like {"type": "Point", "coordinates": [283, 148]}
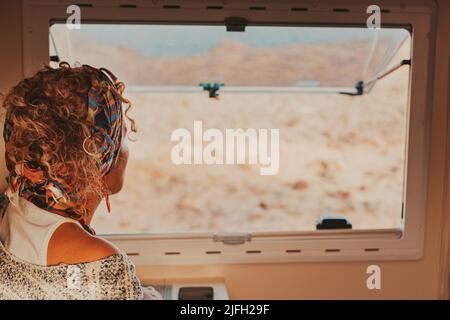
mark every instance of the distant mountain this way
{"type": "Point", "coordinates": [234, 63]}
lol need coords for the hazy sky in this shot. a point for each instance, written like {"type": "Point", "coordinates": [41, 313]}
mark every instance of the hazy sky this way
{"type": "Point", "coordinates": [170, 41]}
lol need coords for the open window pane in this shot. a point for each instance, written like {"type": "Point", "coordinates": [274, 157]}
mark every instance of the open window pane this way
{"type": "Point", "coordinates": [339, 155]}
{"type": "Point", "coordinates": [265, 58]}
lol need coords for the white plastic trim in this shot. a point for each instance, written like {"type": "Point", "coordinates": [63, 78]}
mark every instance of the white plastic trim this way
{"type": "Point", "coordinates": [405, 244]}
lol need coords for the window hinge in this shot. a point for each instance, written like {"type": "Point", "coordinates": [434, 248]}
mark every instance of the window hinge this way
{"type": "Point", "coordinates": [232, 238]}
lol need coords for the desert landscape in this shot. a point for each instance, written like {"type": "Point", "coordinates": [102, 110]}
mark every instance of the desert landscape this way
{"type": "Point", "coordinates": [339, 155]}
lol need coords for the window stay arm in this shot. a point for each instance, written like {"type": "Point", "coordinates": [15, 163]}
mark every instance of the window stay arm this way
{"type": "Point", "coordinates": [360, 85]}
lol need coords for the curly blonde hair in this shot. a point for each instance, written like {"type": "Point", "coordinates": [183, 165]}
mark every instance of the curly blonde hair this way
{"type": "Point", "coordinates": [48, 113]}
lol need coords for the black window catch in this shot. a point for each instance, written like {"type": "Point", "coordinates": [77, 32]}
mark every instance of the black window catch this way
{"type": "Point", "coordinates": [332, 222]}
{"type": "Point", "coordinates": [236, 24]}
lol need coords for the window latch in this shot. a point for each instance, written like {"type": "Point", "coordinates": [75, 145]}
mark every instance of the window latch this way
{"type": "Point", "coordinates": [332, 222]}
{"type": "Point", "coordinates": [212, 88]}
{"type": "Point", "coordinates": [232, 238]}
{"type": "Point", "coordinates": [236, 24]}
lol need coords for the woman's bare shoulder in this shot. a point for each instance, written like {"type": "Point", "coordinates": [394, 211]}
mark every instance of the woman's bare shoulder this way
{"type": "Point", "coordinates": [71, 244]}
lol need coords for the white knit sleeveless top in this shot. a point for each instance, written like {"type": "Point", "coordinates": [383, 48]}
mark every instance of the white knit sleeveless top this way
{"type": "Point", "coordinates": [25, 229]}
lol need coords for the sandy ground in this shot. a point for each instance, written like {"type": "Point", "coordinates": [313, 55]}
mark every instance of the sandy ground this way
{"type": "Point", "coordinates": [339, 155]}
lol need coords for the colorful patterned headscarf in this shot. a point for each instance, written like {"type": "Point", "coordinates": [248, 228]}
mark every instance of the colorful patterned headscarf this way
{"type": "Point", "coordinates": [105, 117]}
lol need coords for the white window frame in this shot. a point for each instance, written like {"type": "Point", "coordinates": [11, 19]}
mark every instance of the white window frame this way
{"type": "Point", "coordinates": [325, 245]}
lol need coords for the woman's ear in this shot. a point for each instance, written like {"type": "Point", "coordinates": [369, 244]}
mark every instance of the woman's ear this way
{"type": "Point", "coordinates": [116, 177]}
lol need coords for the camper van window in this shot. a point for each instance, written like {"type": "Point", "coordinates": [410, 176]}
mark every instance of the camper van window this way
{"type": "Point", "coordinates": [274, 128]}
